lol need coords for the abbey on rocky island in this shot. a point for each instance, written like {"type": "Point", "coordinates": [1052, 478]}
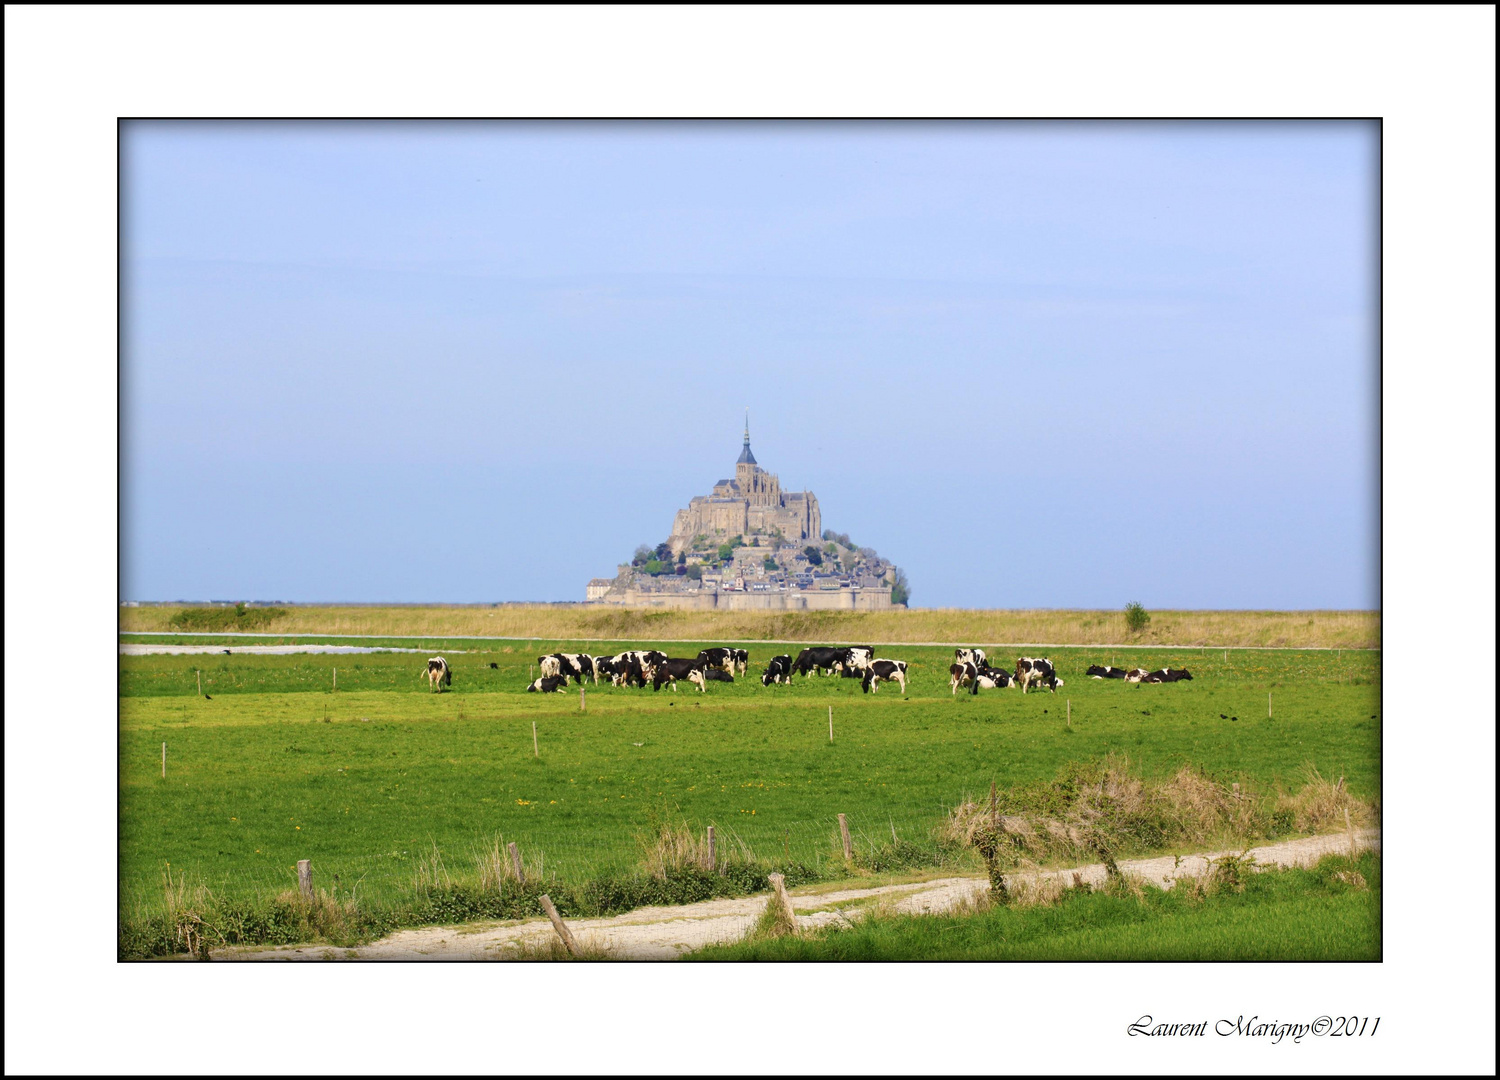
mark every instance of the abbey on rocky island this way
{"type": "Point", "coordinates": [750, 545]}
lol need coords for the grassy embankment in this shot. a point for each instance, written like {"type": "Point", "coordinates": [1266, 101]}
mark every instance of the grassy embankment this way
{"type": "Point", "coordinates": [1225, 629]}
{"type": "Point", "coordinates": [1330, 912]}
{"type": "Point", "coordinates": [392, 790]}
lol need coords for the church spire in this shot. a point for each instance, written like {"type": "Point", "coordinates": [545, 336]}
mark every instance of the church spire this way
{"type": "Point", "coordinates": [746, 457]}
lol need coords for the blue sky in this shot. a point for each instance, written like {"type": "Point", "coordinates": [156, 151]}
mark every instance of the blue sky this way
{"type": "Point", "coordinates": [1036, 365]}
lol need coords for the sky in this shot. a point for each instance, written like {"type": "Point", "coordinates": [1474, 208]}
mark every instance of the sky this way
{"type": "Point", "coordinates": [1060, 365]}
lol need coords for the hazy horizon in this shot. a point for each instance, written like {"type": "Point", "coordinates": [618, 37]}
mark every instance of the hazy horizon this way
{"type": "Point", "coordinates": [1037, 365]}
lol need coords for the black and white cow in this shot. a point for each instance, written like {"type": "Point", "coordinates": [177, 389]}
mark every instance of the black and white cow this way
{"type": "Point", "coordinates": [549, 665]}
{"type": "Point", "coordinates": [961, 674]}
{"type": "Point", "coordinates": [1036, 672]}
{"type": "Point", "coordinates": [1136, 675]}
{"type": "Point", "coordinates": [548, 684]}
{"type": "Point", "coordinates": [856, 659]}
{"type": "Point", "coordinates": [721, 659]}
{"type": "Point", "coordinates": [884, 669]}
{"type": "Point", "coordinates": [817, 659]}
{"type": "Point", "coordinates": [988, 678]}
{"type": "Point", "coordinates": [715, 675]}
{"type": "Point", "coordinates": [973, 656]}
{"type": "Point", "coordinates": [670, 670]}
{"type": "Point", "coordinates": [623, 670]}
{"type": "Point", "coordinates": [741, 660]}
{"type": "Point", "coordinates": [778, 670]}
{"type": "Point", "coordinates": [1107, 672]}
{"type": "Point", "coordinates": [439, 674]}
{"type": "Point", "coordinates": [1168, 675]}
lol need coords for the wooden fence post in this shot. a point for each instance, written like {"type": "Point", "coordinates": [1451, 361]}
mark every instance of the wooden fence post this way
{"type": "Point", "coordinates": [713, 863]}
{"type": "Point", "coordinates": [515, 860]}
{"type": "Point", "coordinates": [163, 761]}
{"type": "Point", "coordinates": [335, 680]}
{"type": "Point", "coordinates": [535, 752]}
{"type": "Point", "coordinates": [557, 923]}
{"type": "Point", "coordinates": [199, 673]}
{"type": "Point", "coordinates": [1070, 712]}
{"type": "Point", "coordinates": [778, 886]}
{"type": "Point", "coordinates": [1268, 704]}
{"type": "Point", "coordinates": [830, 723]}
{"type": "Point", "coordinates": [304, 879]}
{"type": "Point", "coordinates": [844, 832]}
{"type": "Point", "coordinates": [583, 701]}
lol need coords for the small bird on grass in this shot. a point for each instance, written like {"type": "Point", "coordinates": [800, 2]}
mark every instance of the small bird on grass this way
{"type": "Point", "coordinates": [494, 665]}
{"type": "Point", "coordinates": [226, 652]}
{"type": "Point", "coordinates": [207, 697]}
{"type": "Point", "coordinates": [1223, 717]}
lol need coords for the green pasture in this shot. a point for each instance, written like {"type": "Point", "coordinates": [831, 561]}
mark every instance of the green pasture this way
{"type": "Point", "coordinates": [1319, 914]}
{"type": "Point", "coordinates": [370, 781]}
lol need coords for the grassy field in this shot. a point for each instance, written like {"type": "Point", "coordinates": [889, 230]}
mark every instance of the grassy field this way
{"type": "Point", "coordinates": [1232, 629]}
{"type": "Point", "coordinates": [1320, 914]}
{"type": "Point", "coordinates": [384, 783]}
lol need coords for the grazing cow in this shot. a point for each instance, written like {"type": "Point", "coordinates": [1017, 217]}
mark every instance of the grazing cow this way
{"type": "Point", "coordinates": [715, 675]}
{"type": "Point", "coordinates": [961, 675]}
{"type": "Point", "coordinates": [1107, 672]}
{"type": "Point", "coordinates": [670, 670]}
{"type": "Point", "coordinates": [988, 678]}
{"type": "Point", "coordinates": [438, 674]}
{"type": "Point", "coordinates": [574, 665]}
{"type": "Point", "coordinates": [817, 659]}
{"type": "Point", "coordinates": [778, 670]}
{"type": "Point", "coordinates": [884, 669]}
{"type": "Point", "coordinates": [1036, 672]}
{"type": "Point", "coordinates": [549, 665]}
{"type": "Point", "coordinates": [722, 659]}
{"type": "Point", "coordinates": [547, 685]}
{"type": "Point", "coordinates": [971, 656]}
{"type": "Point", "coordinates": [1168, 675]}
{"type": "Point", "coordinates": [741, 660]}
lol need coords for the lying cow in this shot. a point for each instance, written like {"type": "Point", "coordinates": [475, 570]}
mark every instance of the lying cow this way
{"type": "Point", "coordinates": [778, 670]}
{"type": "Point", "coordinates": [1036, 672]}
{"type": "Point", "coordinates": [1167, 675]}
{"type": "Point", "coordinates": [670, 670]}
{"type": "Point", "coordinates": [884, 669]}
{"type": "Point", "coordinates": [548, 684]}
{"type": "Point", "coordinates": [961, 674]}
{"type": "Point", "coordinates": [818, 659]}
{"type": "Point", "coordinates": [715, 675]}
{"type": "Point", "coordinates": [988, 678]}
{"type": "Point", "coordinates": [1136, 674]}
{"type": "Point", "coordinates": [971, 656]}
{"type": "Point", "coordinates": [439, 674]}
{"type": "Point", "coordinates": [1107, 672]}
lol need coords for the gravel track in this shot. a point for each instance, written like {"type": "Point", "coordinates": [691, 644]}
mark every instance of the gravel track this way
{"type": "Point", "coordinates": [665, 933]}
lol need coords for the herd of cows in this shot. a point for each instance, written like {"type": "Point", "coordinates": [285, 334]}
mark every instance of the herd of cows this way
{"type": "Point", "coordinates": [636, 667]}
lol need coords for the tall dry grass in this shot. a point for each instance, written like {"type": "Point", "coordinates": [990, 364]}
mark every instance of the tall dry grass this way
{"type": "Point", "coordinates": [544, 623]}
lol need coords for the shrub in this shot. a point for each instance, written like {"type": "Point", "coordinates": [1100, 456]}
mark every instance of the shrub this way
{"type": "Point", "coordinates": [1136, 617]}
{"type": "Point", "coordinates": [814, 556]}
{"type": "Point", "coordinates": [237, 618]}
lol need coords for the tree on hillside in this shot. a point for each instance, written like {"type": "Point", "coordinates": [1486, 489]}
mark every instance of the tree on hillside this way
{"type": "Point", "coordinates": [642, 553]}
{"type": "Point", "coordinates": [663, 551]}
{"type": "Point", "coordinates": [814, 556]}
{"type": "Point", "coordinates": [900, 587]}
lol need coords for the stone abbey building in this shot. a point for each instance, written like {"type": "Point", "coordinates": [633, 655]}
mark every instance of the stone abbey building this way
{"type": "Point", "coordinates": [751, 504]}
{"type": "Point", "coordinates": [744, 546]}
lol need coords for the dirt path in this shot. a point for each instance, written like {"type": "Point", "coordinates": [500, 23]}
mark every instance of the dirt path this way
{"type": "Point", "coordinates": [664, 933]}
